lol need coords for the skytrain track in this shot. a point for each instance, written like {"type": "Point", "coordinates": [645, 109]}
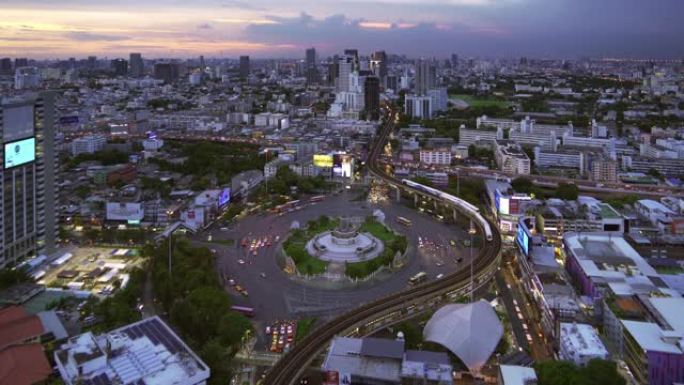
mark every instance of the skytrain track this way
{"type": "Point", "coordinates": [289, 368]}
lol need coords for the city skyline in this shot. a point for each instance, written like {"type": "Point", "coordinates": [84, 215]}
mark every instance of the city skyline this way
{"type": "Point", "coordinates": [265, 28]}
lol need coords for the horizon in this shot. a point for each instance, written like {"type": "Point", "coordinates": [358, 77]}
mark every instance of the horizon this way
{"type": "Point", "coordinates": [560, 29]}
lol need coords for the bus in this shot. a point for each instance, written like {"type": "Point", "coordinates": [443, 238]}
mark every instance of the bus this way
{"type": "Point", "coordinates": [418, 278]}
{"type": "Point", "coordinates": [404, 221]}
{"type": "Point", "coordinates": [247, 311]}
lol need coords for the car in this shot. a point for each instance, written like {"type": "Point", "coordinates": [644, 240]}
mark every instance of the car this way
{"type": "Point", "coordinates": [268, 330]}
{"type": "Point", "coordinates": [254, 253]}
{"type": "Point", "coordinates": [223, 229]}
{"type": "Point", "coordinates": [262, 275]}
{"type": "Point", "coordinates": [440, 276]}
{"type": "Point", "coordinates": [439, 263]}
{"type": "Point", "coordinates": [245, 293]}
{"type": "Point", "coordinates": [231, 282]}
{"type": "Point", "coordinates": [277, 238]}
{"type": "Point", "coordinates": [213, 251]}
{"type": "Point", "coordinates": [241, 261]}
{"type": "Point", "coordinates": [238, 288]}
{"type": "Point", "coordinates": [290, 329]}
{"type": "Point", "coordinates": [282, 329]}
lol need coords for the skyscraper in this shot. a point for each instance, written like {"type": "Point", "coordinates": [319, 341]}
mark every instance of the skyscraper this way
{"type": "Point", "coordinates": [244, 67]}
{"type": "Point", "coordinates": [379, 64]}
{"type": "Point", "coordinates": [20, 62]}
{"type": "Point", "coordinates": [92, 62]}
{"type": "Point", "coordinates": [168, 72]}
{"type": "Point", "coordinates": [345, 67]}
{"type": "Point", "coordinates": [354, 55]}
{"type": "Point", "coordinates": [371, 94]}
{"type": "Point", "coordinates": [310, 68]}
{"type": "Point", "coordinates": [426, 76]}
{"type": "Point", "coordinates": [5, 66]}
{"type": "Point", "coordinates": [120, 67]}
{"type": "Point", "coordinates": [137, 66]}
{"type": "Point", "coordinates": [27, 177]}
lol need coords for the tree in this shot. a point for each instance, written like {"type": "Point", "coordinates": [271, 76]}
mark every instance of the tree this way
{"type": "Point", "coordinates": [232, 328]}
{"type": "Point", "coordinates": [10, 277]}
{"type": "Point", "coordinates": [597, 372]}
{"type": "Point", "coordinates": [423, 180]}
{"type": "Point", "coordinates": [522, 185]}
{"type": "Point", "coordinates": [567, 191]}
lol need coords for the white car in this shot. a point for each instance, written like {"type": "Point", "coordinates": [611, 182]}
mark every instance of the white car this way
{"type": "Point", "coordinates": [241, 261]}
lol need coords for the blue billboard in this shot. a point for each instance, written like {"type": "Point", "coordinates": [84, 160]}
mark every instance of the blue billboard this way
{"type": "Point", "coordinates": [224, 197]}
{"type": "Point", "coordinates": [20, 152]}
{"type": "Point", "coordinates": [523, 238]}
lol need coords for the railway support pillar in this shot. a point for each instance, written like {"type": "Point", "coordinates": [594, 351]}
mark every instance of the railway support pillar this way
{"type": "Point", "coordinates": [398, 195]}
{"type": "Point", "coordinates": [455, 215]}
{"type": "Point", "coordinates": [434, 204]}
{"type": "Point", "coordinates": [415, 200]}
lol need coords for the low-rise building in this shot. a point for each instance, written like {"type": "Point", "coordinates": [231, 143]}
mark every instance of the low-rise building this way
{"type": "Point", "coordinates": [580, 343]}
{"type": "Point", "coordinates": [437, 157]}
{"type": "Point", "coordinates": [146, 352]}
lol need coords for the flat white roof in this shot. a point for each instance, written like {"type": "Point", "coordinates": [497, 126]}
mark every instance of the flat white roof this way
{"type": "Point", "coordinates": [650, 337]}
{"type": "Point", "coordinates": [655, 205]}
{"type": "Point", "coordinates": [581, 339]}
{"type": "Point", "coordinates": [672, 311]}
{"type": "Point", "coordinates": [516, 375]}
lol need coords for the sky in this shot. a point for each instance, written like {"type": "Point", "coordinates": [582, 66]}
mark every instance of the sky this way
{"type": "Point", "coordinates": [46, 29]}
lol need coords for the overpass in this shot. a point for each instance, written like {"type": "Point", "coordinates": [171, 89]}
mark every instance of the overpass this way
{"type": "Point", "coordinates": [393, 308]}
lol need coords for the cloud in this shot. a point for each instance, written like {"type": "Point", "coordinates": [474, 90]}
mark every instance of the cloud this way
{"type": "Point", "coordinates": [204, 26]}
{"type": "Point", "coordinates": [334, 33]}
{"type": "Point", "coordinates": [241, 5]}
{"type": "Point", "coordinates": [89, 36]}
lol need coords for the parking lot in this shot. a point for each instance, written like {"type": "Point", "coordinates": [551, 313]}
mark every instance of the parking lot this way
{"type": "Point", "coordinates": [96, 270]}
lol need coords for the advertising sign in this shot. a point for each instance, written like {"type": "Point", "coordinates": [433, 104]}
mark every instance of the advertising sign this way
{"type": "Point", "coordinates": [523, 238]}
{"type": "Point", "coordinates": [20, 152]}
{"type": "Point", "coordinates": [224, 197]}
{"type": "Point", "coordinates": [323, 160]}
{"type": "Point", "coordinates": [124, 211]}
{"type": "Point", "coordinates": [67, 120]}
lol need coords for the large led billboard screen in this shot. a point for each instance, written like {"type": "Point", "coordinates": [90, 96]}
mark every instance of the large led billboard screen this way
{"type": "Point", "coordinates": [323, 160]}
{"type": "Point", "coordinates": [523, 238]}
{"type": "Point", "coordinates": [20, 152]}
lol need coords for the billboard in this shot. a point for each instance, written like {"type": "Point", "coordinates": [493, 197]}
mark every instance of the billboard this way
{"type": "Point", "coordinates": [67, 120]}
{"type": "Point", "coordinates": [523, 237]}
{"type": "Point", "coordinates": [124, 211]}
{"type": "Point", "coordinates": [20, 152]}
{"type": "Point", "coordinates": [323, 160]}
{"type": "Point", "coordinates": [502, 203]}
{"type": "Point", "coordinates": [224, 197]}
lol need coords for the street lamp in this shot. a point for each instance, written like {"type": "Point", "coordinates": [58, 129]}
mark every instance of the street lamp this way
{"type": "Point", "coordinates": [471, 232]}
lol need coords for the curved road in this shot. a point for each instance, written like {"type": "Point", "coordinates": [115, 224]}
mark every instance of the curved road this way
{"type": "Point", "coordinates": [293, 364]}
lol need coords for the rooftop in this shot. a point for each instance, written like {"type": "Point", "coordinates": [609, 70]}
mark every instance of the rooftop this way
{"type": "Point", "coordinates": [516, 375]}
{"type": "Point", "coordinates": [581, 340]}
{"type": "Point", "coordinates": [146, 351]}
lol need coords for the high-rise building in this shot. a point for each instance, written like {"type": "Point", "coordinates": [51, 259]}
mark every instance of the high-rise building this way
{"type": "Point", "coordinates": [20, 62]}
{"type": "Point", "coordinates": [5, 66]}
{"type": "Point", "coordinates": [310, 68]}
{"type": "Point", "coordinates": [344, 69]}
{"type": "Point", "coordinates": [604, 170]}
{"type": "Point", "coordinates": [379, 64]}
{"type": "Point", "coordinates": [454, 60]}
{"type": "Point", "coordinates": [120, 67]}
{"type": "Point", "coordinates": [26, 77]}
{"type": "Point", "coordinates": [27, 177]}
{"type": "Point", "coordinates": [354, 55]}
{"type": "Point", "coordinates": [426, 76]}
{"type": "Point", "coordinates": [244, 67]}
{"type": "Point", "coordinates": [333, 72]}
{"type": "Point", "coordinates": [371, 93]}
{"type": "Point", "coordinates": [137, 66]}
{"type": "Point", "coordinates": [92, 62]}
{"type": "Point", "coordinates": [168, 72]}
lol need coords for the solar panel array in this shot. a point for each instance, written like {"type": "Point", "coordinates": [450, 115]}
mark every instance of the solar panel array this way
{"type": "Point", "coordinates": [153, 329]}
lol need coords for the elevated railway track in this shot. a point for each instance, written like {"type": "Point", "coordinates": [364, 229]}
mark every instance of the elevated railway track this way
{"type": "Point", "coordinates": [372, 316]}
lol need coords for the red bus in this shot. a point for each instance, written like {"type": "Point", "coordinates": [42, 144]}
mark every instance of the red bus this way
{"type": "Point", "coordinates": [247, 311]}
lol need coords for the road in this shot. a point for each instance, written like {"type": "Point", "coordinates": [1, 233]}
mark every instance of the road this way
{"type": "Point", "coordinates": [279, 297]}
